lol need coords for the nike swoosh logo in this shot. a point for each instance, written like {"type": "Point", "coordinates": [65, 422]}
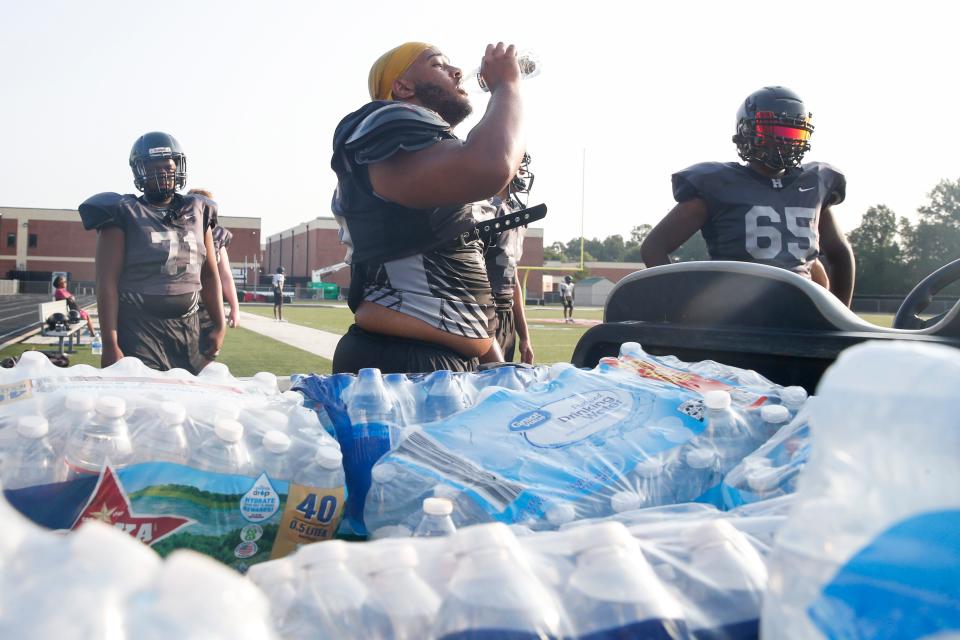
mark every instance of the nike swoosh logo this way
{"type": "Point", "coordinates": [801, 189]}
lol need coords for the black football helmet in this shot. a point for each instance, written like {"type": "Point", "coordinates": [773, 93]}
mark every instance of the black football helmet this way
{"type": "Point", "coordinates": [157, 145]}
{"type": "Point", "coordinates": [74, 316]}
{"type": "Point", "coordinates": [519, 188]}
{"type": "Point", "coordinates": [773, 128]}
{"type": "Point", "coordinates": [57, 322]}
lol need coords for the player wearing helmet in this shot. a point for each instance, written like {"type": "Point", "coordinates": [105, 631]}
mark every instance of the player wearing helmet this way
{"type": "Point", "coordinates": [502, 257]}
{"type": "Point", "coordinates": [772, 209]}
{"type": "Point", "coordinates": [405, 199]}
{"type": "Point", "coordinates": [155, 260]}
{"type": "Point", "coordinates": [566, 297]}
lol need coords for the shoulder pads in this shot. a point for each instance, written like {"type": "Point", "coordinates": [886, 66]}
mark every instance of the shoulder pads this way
{"type": "Point", "coordinates": [393, 127]}
{"type": "Point", "coordinates": [204, 205]}
{"type": "Point", "coordinates": [221, 237]}
{"type": "Point", "coordinates": [833, 180]}
{"type": "Point", "coordinates": [101, 210]}
{"type": "Point", "coordinates": [690, 182]}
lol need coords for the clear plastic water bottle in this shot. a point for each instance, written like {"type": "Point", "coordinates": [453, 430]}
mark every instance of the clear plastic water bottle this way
{"type": "Point", "coordinates": [465, 510]}
{"type": "Point", "coordinates": [224, 451]}
{"type": "Point", "coordinates": [623, 501]}
{"type": "Point", "coordinates": [494, 594]}
{"type": "Point", "coordinates": [407, 398]}
{"type": "Point", "coordinates": [653, 483]}
{"type": "Point", "coordinates": [727, 576]}
{"type": "Point", "coordinates": [614, 592]}
{"type": "Point", "coordinates": [333, 602]}
{"type": "Point", "coordinates": [444, 396]}
{"type": "Point", "coordinates": [96, 346]}
{"type": "Point", "coordinates": [106, 437]}
{"type": "Point", "coordinates": [278, 580]}
{"type": "Point", "coordinates": [696, 471]}
{"type": "Point", "coordinates": [366, 439]}
{"type": "Point", "coordinates": [165, 438]}
{"type": "Point", "coordinates": [274, 456]}
{"type": "Point", "coordinates": [32, 460]}
{"type": "Point", "coordinates": [436, 521]}
{"type": "Point", "coordinates": [774, 416]}
{"type": "Point", "coordinates": [559, 513]}
{"type": "Point", "coordinates": [729, 432]}
{"type": "Point", "coordinates": [529, 68]}
{"type": "Point", "coordinates": [402, 596]}
{"type": "Point", "coordinates": [394, 499]}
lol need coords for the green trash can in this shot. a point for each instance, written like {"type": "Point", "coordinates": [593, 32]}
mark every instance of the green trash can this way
{"type": "Point", "coordinates": [331, 291]}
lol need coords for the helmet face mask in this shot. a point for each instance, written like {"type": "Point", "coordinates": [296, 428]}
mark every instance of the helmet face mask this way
{"type": "Point", "coordinates": [519, 188]}
{"type": "Point", "coordinates": [159, 165]}
{"type": "Point", "coordinates": [773, 128]}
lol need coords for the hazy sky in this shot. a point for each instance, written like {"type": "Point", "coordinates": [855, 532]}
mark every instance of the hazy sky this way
{"type": "Point", "coordinates": [253, 91]}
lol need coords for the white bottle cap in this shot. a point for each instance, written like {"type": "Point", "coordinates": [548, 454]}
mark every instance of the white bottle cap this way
{"type": "Point", "coordinates": [215, 370]}
{"type": "Point", "coordinates": [270, 573]}
{"type": "Point", "coordinates": [229, 430]}
{"type": "Point", "coordinates": [775, 413]}
{"type": "Point", "coordinates": [329, 457]}
{"type": "Point", "coordinates": [226, 410]}
{"type": "Point", "coordinates": [391, 555]}
{"type": "Point", "coordinates": [625, 501]}
{"type": "Point", "coordinates": [701, 458]}
{"type": "Point", "coordinates": [172, 413]}
{"type": "Point", "coordinates": [604, 534]}
{"type": "Point", "coordinates": [384, 472]}
{"type": "Point", "coordinates": [276, 441]}
{"type": "Point", "coordinates": [649, 468]}
{"type": "Point", "coordinates": [111, 406]}
{"type": "Point", "coordinates": [631, 349]}
{"type": "Point", "coordinates": [293, 396]}
{"type": "Point", "coordinates": [325, 552]}
{"type": "Point", "coordinates": [561, 513]}
{"type": "Point", "coordinates": [80, 401]}
{"type": "Point", "coordinates": [32, 426]}
{"type": "Point", "coordinates": [275, 420]}
{"type": "Point", "coordinates": [717, 399]}
{"type": "Point", "coordinates": [793, 397]}
{"type": "Point", "coordinates": [266, 380]}
{"type": "Point", "coordinates": [437, 506]}
{"type": "Point", "coordinates": [490, 535]}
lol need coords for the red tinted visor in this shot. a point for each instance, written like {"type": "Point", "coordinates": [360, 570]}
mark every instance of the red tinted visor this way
{"type": "Point", "coordinates": [797, 129]}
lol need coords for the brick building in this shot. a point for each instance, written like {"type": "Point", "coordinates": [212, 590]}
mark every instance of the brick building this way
{"type": "Point", "coordinates": [55, 240]}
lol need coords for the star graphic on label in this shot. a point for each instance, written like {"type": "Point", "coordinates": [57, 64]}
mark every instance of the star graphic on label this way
{"type": "Point", "coordinates": [109, 503]}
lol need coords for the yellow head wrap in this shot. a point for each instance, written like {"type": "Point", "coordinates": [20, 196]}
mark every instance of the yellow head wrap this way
{"type": "Point", "coordinates": [391, 66]}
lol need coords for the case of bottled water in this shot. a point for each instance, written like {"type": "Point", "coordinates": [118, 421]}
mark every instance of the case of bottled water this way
{"type": "Point", "coordinates": [871, 548]}
{"type": "Point", "coordinates": [229, 467]}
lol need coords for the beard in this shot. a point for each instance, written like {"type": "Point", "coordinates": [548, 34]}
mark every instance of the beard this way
{"type": "Point", "coordinates": [452, 107]}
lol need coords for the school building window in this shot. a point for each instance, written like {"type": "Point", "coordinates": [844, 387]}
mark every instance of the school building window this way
{"type": "Point", "coordinates": [32, 240]}
{"type": "Point", "coordinates": [11, 240]}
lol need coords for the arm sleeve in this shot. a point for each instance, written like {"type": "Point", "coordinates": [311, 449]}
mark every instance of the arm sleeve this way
{"type": "Point", "coordinates": [101, 211]}
{"type": "Point", "coordinates": [394, 127]}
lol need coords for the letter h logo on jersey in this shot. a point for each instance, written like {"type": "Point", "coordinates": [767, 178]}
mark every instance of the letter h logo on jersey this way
{"type": "Point", "coordinates": [777, 183]}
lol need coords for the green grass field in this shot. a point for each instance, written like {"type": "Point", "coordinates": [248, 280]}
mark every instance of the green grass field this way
{"type": "Point", "coordinates": [246, 352]}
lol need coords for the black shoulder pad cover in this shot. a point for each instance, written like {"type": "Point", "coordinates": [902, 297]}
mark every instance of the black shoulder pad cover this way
{"type": "Point", "coordinates": [396, 126]}
{"type": "Point", "coordinates": [222, 236]}
{"type": "Point", "coordinates": [689, 183]}
{"type": "Point", "coordinates": [101, 211]}
{"type": "Point", "coordinates": [834, 181]}
{"type": "Point", "coordinates": [207, 206]}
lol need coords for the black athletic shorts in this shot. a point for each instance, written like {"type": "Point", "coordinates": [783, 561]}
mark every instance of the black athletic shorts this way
{"type": "Point", "coordinates": [567, 302]}
{"type": "Point", "coordinates": [360, 349]}
{"type": "Point", "coordinates": [506, 333]}
{"type": "Point", "coordinates": [206, 326]}
{"type": "Point", "coordinates": [162, 331]}
{"type": "Point", "coordinates": [277, 296]}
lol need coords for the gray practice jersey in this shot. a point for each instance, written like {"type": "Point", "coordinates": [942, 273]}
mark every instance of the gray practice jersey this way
{"type": "Point", "coordinates": [502, 258]}
{"type": "Point", "coordinates": [164, 246]}
{"type": "Point", "coordinates": [754, 218]}
{"type": "Point", "coordinates": [221, 240]}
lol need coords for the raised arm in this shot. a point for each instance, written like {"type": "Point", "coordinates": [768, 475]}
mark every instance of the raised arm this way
{"type": "Point", "coordinates": [109, 265]}
{"type": "Point", "coordinates": [677, 227]}
{"type": "Point", "coordinates": [839, 255]}
{"type": "Point", "coordinates": [454, 172]}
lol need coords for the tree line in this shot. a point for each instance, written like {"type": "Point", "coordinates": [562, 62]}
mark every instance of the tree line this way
{"type": "Point", "coordinates": [893, 254]}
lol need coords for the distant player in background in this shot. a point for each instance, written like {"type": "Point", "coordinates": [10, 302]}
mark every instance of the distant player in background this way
{"type": "Point", "coordinates": [277, 284]}
{"type": "Point", "coordinates": [502, 258]}
{"type": "Point", "coordinates": [566, 298]}
{"type": "Point", "coordinates": [155, 261]}
{"type": "Point", "coordinates": [772, 209]}
{"type": "Point", "coordinates": [60, 293]}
